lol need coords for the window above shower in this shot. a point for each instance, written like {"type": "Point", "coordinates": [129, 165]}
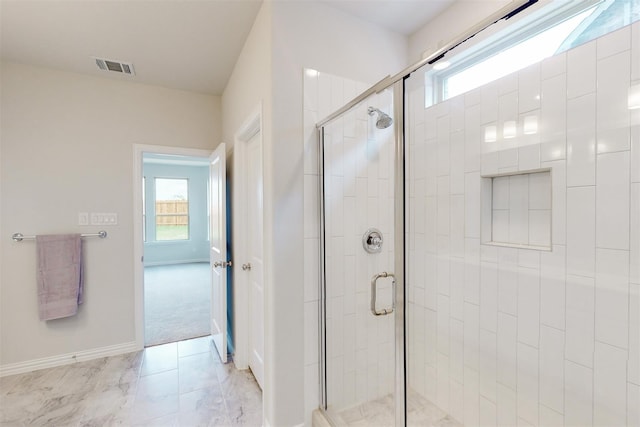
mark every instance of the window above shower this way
{"type": "Point", "coordinates": [552, 29]}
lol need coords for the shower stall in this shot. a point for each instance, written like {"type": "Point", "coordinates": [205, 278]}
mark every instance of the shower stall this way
{"type": "Point", "coordinates": [480, 257]}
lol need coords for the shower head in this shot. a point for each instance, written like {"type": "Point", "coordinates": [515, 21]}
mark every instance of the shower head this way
{"type": "Point", "coordinates": [383, 121]}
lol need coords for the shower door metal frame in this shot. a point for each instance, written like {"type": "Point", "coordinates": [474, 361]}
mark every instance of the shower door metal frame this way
{"type": "Point", "coordinates": [322, 324]}
{"type": "Point", "coordinates": [399, 222]}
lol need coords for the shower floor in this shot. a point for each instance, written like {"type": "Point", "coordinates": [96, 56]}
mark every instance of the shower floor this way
{"type": "Point", "coordinates": [380, 412]}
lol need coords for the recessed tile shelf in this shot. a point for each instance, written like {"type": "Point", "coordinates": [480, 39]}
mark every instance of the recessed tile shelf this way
{"type": "Point", "coordinates": [516, 209]}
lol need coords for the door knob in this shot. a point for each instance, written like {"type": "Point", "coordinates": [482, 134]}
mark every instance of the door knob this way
{"type": "Point", "coordinates": [222, 264]}
{"type": "Point", "coordinates": [246, 266]}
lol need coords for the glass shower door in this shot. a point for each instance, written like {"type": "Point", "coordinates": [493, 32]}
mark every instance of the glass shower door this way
{"type": "Point", "coordinates": [357, 152]}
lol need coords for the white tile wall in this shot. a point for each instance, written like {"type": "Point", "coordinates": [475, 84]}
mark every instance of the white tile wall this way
{"type": "Point", "coordinates": [553, 118]}
{"type": "Point", "coordinates": [612, 113]}
{"type": "Point", "coordinates": [633, 404]}
{"type": "Point", "coordinates": [549, 337]}
{"type": "Point", "coordinates": [581, 231]}
{"type": "Point", "coordinates": [549, 417]}
{"type": "Point", "coordinates": [634, 334]}
{"type": "Point", "coordinates": [581, 70]}
{"type": "Point", "coordinates": [529, 306]}
{"type": "Point", "coordinates": [612, 201]}
{"type": "Point", "coordinates": [612, 297]}
{"type": "Point", "coordinates": [580, 320]}
{"type": "Point", "coordinates": [507, 339]}
{"type": "Point", "coordinates": [553, 66]}
{"type": "Point", "coordinates": [552, 287]}
{"type": "Point", "coordinates": [616, 42]}
{"type": "Point", "coordinates": [578, 395]}
{"type": "Point", "coordinates": [609, 386]}
{"type": "Point", "coordinates": [508, 281]}
{"type": "Point", "coordinates": [507, 411]}
{"type": "Point", "coordinates": [529, 89]}
{"type": "Point", "coordinates": [581, 141]}
{"type": "Point", "coordinates": [552, 368]}
{"type": "Point", "coordinates": [528, 383]}
{"type": "Point", "coordinates": [488, 412]}
{"type": "Point", "coordinates": [635, 51]}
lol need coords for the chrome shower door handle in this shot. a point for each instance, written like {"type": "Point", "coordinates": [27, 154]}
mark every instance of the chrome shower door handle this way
{"type": "Point", "coordinates": [374, 288]}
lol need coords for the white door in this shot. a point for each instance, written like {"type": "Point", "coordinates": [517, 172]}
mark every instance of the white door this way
{"type": "Point", "coordinates": [255, 255]}
{"type": "Point", "coordinates": [218, 251]}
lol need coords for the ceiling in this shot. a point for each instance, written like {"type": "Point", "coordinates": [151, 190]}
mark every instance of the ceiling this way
{"type": "Point", "coordinates": [401, 16]}
{"type": "Point", "coordinates": [183, 44]}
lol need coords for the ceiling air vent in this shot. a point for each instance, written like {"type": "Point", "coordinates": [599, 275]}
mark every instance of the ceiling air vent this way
{"type": "Point", "coordinates": [115, 66]}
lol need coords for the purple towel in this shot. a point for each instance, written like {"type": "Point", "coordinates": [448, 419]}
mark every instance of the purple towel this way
{"type": "Point", "coordinates": [59, 275]}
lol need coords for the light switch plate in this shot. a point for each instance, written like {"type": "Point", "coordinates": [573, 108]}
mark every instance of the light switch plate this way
{"type": "Point", "coordinates": [83, 218]}
{"type": "Point", "coordinates": [98, 218]}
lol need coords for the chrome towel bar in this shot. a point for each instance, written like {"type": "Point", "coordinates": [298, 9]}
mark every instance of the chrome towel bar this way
{"type": "Point", "coordinates": [19, 237]}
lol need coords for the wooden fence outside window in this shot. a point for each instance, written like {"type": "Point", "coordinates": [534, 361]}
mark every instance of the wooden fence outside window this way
{"type": "Point", "coordinates": [172, 212]}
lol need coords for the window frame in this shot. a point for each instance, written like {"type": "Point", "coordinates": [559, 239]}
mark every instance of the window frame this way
{"type": "Point", "coordinates": [533, 24]}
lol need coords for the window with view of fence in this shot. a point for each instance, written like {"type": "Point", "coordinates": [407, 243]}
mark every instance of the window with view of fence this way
{"type": "Point", "coordinates": [172, 209]}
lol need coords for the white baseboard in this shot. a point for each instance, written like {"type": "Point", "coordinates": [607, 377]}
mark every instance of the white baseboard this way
{"type": "Point", "coordinates": [67, 359]}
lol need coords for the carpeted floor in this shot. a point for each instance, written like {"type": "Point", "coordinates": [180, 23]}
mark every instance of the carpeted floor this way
{"type": "Point", "coordinates": [177, 302]}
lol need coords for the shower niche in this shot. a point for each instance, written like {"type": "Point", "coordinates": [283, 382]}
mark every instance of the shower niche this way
{"type": "Point", "coordinates": [516, 209]}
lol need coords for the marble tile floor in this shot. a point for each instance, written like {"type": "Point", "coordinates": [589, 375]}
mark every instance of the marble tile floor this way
{"type": "Point", "coordinates": [175, 384]}
{"type": "Point", "coordinates": [381, 412]}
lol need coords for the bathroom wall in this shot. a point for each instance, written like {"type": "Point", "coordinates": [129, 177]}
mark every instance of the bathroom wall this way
{"type": "Point", "coordinates": [67, 147]}
{"type": "Point", "coordinates": [507, 335]}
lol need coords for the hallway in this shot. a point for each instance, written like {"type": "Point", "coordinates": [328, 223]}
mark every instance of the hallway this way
{"type": "Point", "coordinates": [176, 384]}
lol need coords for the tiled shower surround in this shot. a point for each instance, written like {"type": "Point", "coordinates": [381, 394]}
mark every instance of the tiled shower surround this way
{"type": "Point", "coordinates": [508, 336]}
{"type": "Point", "coordinates": [503, 335]}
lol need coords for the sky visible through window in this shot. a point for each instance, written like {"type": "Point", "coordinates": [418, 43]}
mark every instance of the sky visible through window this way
{"type": "Point", "coordinates": [528, 52]}
{"type": "Point", "coordinates": [171, 189]}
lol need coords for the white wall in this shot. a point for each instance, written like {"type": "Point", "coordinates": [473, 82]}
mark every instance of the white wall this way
{"type": "Point", "coordinates": [249, 88]}
{"type": "Point", "coordinates": [456, 19]}
{"type": "Point", "coordinates": [67, 147]}
{"type": "Point", "coordinates": [250, 83]}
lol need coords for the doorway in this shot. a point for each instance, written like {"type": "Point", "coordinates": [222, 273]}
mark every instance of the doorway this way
{"type": "Point", "coordinates": [179, 255]}
{"type": "Point", "coordinates": [177, 286]}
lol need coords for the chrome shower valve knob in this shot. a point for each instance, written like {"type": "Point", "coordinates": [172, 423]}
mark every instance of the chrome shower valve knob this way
{"type": "Point", "coordinates": [372, 241]}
